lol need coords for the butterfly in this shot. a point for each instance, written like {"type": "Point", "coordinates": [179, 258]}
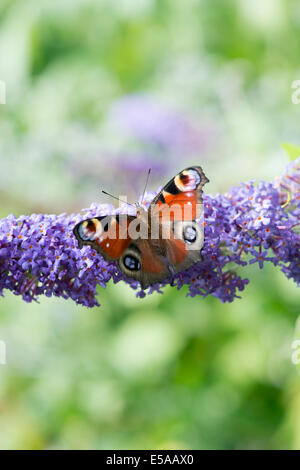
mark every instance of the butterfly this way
{"type": "Point", "coordinates": [156, 243]}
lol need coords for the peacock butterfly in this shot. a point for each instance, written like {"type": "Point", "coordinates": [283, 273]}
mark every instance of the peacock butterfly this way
{"type": "Point", "coordinates": [158, 242]}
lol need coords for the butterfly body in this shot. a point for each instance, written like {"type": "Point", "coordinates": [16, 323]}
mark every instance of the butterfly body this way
{"type": "Point", "coordinates": [158, 242]}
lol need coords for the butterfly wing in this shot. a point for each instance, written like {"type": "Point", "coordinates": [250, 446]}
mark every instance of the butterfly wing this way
{"type": "Point", "coordinates": [107, 234]}
{"type": "Point", "coordinates": [178, 208]}
{"type": "Point", "coordinates": [143, 261]}
{"type": "Point", "coordinates": [184, 192]}
{"type": "Point", "coordinates": [136, 258]}
{"type": "Point", "coordinates": [181, 252]}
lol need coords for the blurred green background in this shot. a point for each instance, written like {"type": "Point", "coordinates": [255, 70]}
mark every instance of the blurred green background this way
{"type": "Point", "coordinates": [98, 91]}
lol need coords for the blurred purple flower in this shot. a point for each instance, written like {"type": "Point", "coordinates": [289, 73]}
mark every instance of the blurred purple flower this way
{"type": "Point", "coordinates": [146, 134]}
{"type": "Point", "coordinates": [158, 126]}
{"type": "Point", "coordinates": [290, 180]}
{"type": "Point", "coordinates": [39, 254]}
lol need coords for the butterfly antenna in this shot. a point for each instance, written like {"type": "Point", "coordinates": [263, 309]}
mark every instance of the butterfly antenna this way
{"type": "Point", "coordinates": [118, 199]}
{"type": "Point", "coordinates": [147, 179]}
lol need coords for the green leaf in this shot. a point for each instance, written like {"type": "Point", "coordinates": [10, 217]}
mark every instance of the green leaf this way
{"type": "Point", "coordinates": [292, 150]}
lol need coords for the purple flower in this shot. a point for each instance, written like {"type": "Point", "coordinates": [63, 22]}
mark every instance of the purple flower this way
{"type": "Point", "coordinates": [290, 180]}
{"type": "Point", "coordinates": [252, 223]}
{"type": "Point", "coordinates": [259, 257]}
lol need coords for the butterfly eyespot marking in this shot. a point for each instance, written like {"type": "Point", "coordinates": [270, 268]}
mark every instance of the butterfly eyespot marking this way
{"type": "Point", "coordinates": [90, 224]}
{"type": "Point", "coordinates": [189, 234]}
{"type": "Point", "coordinates": [132, 263]}
{"type": "Point", "coordinates": [187, 180]}
{"type": "Point", "coordinates": [87, 230]}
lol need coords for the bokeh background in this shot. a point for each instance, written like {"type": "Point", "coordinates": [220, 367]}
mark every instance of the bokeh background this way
{"type": "Point", "coordinates": [98, 91]}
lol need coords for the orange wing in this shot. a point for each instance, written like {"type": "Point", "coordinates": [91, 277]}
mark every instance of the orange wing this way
{"type": "Point", "coordinates": [108, 234]}
{"type": "Point", "coordinates": [181, 198]}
